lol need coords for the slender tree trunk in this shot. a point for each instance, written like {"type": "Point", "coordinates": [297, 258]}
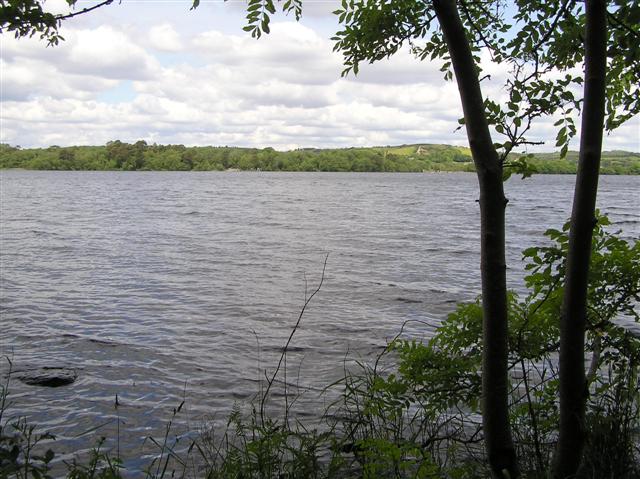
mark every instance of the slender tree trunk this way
{"type": "Point", "coordinates": [573, 384]}
{"type": "Point", "coordinates": [495, 383]}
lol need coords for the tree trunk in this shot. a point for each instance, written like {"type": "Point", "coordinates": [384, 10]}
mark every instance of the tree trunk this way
{"type": "Point", "coordinates": [495, 383]}
{"type": "Point", "coordinates": [573, 384]}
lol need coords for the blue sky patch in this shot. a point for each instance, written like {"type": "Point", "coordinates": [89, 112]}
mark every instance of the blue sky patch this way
{"type": "Point", "coordinates": [122, 93]}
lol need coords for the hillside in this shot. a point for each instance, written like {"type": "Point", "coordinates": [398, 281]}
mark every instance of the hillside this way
{"type": "Point", "coordinates": [117, 155]}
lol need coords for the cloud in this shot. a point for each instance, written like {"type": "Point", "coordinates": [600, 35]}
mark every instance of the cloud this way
{"type": "Point", "coordinates": [292, 52]}
{"type": "Point", "coordinates": [87, 63]}
{"type": "Point", "coordinates": [109, 53]}
{"type": "Point", "coordinates": [164, 38]}
{"type": "Point", "coordinates": [401, 69]}
{"type": "Point", "coordinates": [56, 6]}
{"type": "Point", "coordinates": [24, 79]}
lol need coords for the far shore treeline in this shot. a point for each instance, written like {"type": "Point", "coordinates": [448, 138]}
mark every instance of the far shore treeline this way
{"type": "Point", "coordinates": [117, 155]}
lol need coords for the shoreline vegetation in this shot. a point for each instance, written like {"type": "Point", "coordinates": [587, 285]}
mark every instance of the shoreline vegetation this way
{"type": "Point", "coordinates": [140, 156]}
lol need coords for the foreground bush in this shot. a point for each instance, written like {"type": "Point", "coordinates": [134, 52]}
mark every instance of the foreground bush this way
{"type": "Point", "coordinates": [425, 410]}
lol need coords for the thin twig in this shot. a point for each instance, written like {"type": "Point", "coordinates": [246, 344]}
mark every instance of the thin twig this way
{"type": "Point", "coordinates": [534, 418]}
{"type": "Point", "coordinates": [286, 346]}
{"type": "Point", "coordinates": [615, 20]}
{"type": "Point", "coordinates": [84, 10]}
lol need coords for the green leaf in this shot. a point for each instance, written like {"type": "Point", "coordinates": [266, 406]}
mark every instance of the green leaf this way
{"type": "Point", "coordinates": [269, 7]}
{"type": "Point", "coordinates": [564, 151]}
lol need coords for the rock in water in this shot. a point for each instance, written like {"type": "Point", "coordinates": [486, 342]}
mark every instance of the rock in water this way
{"type": "Point", "coordinates": [48, 377]}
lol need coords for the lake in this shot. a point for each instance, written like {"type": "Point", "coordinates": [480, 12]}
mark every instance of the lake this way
{"type": "Point", "coordinates": [163, 286]}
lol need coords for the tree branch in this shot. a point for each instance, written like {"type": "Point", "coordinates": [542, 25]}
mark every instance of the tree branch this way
{"type": "Point", "coordinates": [84, 10]}
{"type": "Point", "coordinates": [626, 27]}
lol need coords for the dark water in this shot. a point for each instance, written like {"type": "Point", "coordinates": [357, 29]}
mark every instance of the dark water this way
{"type": "Point", "coordinates": [160, 287]}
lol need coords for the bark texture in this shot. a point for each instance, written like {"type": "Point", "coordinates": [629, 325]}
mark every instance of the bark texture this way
{"type": "Point", "coordinates": [495, 384]}
{"type": "Point", "coordinates": [573, 384]}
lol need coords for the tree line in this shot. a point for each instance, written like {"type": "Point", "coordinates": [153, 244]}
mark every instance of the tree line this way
{"type": "Point", "coordinates": [118, 155]}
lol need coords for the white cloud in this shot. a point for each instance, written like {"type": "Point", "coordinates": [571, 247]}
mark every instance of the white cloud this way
{"type": "Point", "coordinates": [164, 38]}
{"type": "Point", "coordinates": [110, 53]}
{"type": "Point", "coordinates": [627, 137]}
{"type": "Point", "coordinates": [26, 78]}
{"type": "Point", "coordinates": [292, 52]}
{"type": "Point", "coordinates": [56, 6]}
{"type": "Point", "coordinates": [87, 63]}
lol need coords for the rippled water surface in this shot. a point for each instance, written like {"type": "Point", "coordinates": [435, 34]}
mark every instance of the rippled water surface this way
{"type": "Point", "coordinates": [166, 286]}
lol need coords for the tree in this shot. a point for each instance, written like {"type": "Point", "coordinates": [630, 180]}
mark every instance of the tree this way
{"type": "Point", "coordinates": [26, 18]}
{"type": "Point", "coordinates": [495, 387]}
{"type": "Point", "coordinates": [581, 36]}
{"type": "Point", "coordinates": [573, 382]}
{"type": "Point", "coordinates": [376, 30]}
{"type": "Point", "coordinates": [68, 158]}
{"type": "Point", "coordinates": [126, 156]}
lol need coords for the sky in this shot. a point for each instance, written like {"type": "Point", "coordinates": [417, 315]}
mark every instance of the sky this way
{"type": "Point", "coordinates": [157, 71]}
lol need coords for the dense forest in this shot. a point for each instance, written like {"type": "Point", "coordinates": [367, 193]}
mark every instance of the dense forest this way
{"type": "Point", "coordinates": [117, 155]}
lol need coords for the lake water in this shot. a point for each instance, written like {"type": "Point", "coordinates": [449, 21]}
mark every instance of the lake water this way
{"type": "Point", "coordinates": [163, 286]}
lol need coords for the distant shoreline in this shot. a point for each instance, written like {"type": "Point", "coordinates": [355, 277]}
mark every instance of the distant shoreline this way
{"type": "Point", "coordinates": [440, 172]}
{"type": "Point", "coordinates": [423, 158]}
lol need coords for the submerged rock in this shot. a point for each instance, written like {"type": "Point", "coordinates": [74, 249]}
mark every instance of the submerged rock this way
{"type": "Point", "coordinates": [407, 300]}
{"type": "Point", "coordinates": [48, 377]}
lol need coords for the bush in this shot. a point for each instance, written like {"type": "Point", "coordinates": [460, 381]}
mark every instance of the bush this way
{"type": "Point", "coordinates": [429, 400]}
